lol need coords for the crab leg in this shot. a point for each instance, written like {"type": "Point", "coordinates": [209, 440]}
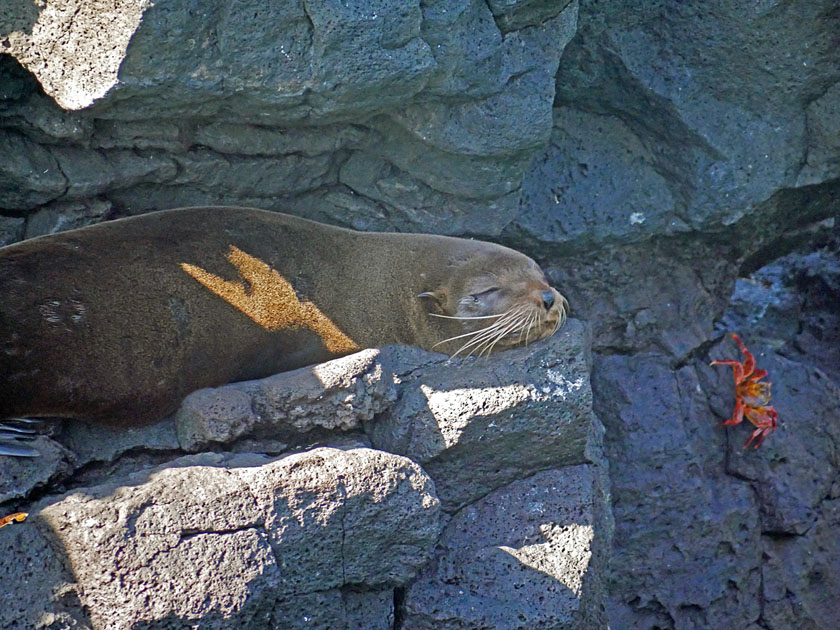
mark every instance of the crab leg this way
{"type": "Point", "coordinates": [737, 414]}
{"type": "Point", "coordinates": [765, 421]}
{"type": "Point", "coordinates": [737, 368]}
{"type": "Point", "coordinates": [749, 363]}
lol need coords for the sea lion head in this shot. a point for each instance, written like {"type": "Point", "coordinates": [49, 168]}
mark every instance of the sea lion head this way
{"type": "Point", "coordinates": [498, 299]}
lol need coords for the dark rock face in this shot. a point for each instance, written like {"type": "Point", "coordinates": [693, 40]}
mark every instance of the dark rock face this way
{"type": "Point", "coordinates": [686, 493]}
{"type": "Point", "coordinates": [674, 166]}
{"type": "Point", "coordinates": [388, 115]}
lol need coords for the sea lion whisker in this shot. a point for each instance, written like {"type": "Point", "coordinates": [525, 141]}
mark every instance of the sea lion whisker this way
{"type": "Point", "coordinates": [535, 316]}
{"type": "Point", "coordinates": [485, 335]}
{"type": "Point", "coordinates": [561, 318]}
{"type": "Point", "coordinates": [500, 333]}
{"type": "Point", "coordinates": [563, 306]}
{"type": "Point", "coordinates": [467, 334]}
{"type": "Point", "coordinates": [487, 346]}
{"type": "Point", "coordinates": [525, 322]}
{"type": "Point", "coordinates": [477, 342]}
{"type": "Point", "coordinates": [479, 331]}
{"type": "Point", "coordinates": [490, 337]}
{"type": "Point", "coordinates": [524, 329]}
{"type": "Point", "coordinates": [528, 326]}
{"type": "Point", "coordinates": [480, 345]}
{"type": "Point", "coordinates": [514, 325]}
{"type": "Point", "coordinates": [467, 316]}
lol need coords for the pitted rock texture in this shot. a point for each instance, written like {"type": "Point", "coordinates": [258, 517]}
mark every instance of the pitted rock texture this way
{"type": "Point", "coordinates": [685, 489]}
{"type": "Point", "coordinates": [226, 540]}
{"type": "Point", "coordinates": [493, 421]}
{"type": "Point", "coordinates": [687, 117]}
{"type": "Point", "coordinates": [74, 47]}
{"type": "Point", "coordinates": [524, 556]}
{"type": "Point", "coordinates": [322, 538]}
{"type": "Point", "coordinates": [337, 395]}
{"type": "Point", "coordinates": [671, 493]}
{"type": "Point", "coordinates": [345, 609]}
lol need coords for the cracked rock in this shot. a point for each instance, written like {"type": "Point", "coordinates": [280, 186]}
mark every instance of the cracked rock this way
{"type": "Point", "coordinates": [484, 423]}
{"type": "Point", "coordinates": [247, 534]}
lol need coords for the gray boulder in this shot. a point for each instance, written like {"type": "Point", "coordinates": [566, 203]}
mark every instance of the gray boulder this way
{"type": "Point", "coordinates": [490, 422]}
{"type": "Point", "coordinates": [475, 425]}
{"type": "Point", "coordinates": [337, 396]}
{"type": "Point", "coordinates": [245, 535]}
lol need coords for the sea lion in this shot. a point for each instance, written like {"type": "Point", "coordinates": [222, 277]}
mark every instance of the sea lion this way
{"type": "Point", "coordinates": [115, 323]}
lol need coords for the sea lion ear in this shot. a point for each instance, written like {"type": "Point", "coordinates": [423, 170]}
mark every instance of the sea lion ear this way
{"type": "Point", "coordinates": [436, 300]}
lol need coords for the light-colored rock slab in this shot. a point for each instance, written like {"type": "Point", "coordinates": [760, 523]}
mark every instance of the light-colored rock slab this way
{"type": "Point", "coordinates": [487, 422]}
{"type": "Point", "coordinates": [222, 539]}
{"type": "Point", "coordinates": [337, 395]}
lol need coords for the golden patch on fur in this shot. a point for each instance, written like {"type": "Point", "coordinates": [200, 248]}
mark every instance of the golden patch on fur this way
{"type": "Point", "coordinates": [270, 301]}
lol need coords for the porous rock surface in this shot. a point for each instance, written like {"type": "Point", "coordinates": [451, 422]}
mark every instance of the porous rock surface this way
{"type": "Point", "coordinates": [288, 106]}
{"type": "Point", "coordinates": [332, 537]}
{"type": "Point", "coordinates": [674, 166]}
{"type": "Point", "coordinates": [335, 396]}
{"type": "Point", "coordinates": [220, 540]}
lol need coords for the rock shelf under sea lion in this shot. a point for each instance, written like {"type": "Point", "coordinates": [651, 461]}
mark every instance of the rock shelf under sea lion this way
{"type": "Point", "coordinates": [115, 323]}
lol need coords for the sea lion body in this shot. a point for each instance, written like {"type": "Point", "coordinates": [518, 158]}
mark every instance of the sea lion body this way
{"type": "Point", "coordinates": [115, 323]}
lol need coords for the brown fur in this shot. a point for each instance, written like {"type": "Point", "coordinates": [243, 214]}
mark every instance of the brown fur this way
{"type": "Point", "coordinates": [117, 322]}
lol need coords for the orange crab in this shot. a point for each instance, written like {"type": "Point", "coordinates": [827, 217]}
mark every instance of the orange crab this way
{"type": "Point", "coordinates": [11, 518]}
{"type": "Point", "coordinates": [752, 397]}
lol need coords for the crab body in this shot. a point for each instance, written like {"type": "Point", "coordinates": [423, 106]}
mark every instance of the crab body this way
{"type": "Point", "coordinates": [752, 397]}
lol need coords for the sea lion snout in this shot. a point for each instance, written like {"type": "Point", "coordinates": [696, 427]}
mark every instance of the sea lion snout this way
{"type": "Point", "coordinates": [548, 299]}
{"type": "Point", "coordinates": [556, 307]}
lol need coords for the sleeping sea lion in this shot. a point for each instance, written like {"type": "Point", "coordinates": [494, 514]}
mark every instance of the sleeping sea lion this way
{"type": "Point", "coordinates": [115, 323]}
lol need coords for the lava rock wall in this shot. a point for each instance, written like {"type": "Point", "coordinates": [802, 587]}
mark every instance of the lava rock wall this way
{"type": "Point", "coordinates": [675, 166]}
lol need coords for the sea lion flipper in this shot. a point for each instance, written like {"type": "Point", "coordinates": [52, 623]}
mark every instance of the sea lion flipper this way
{"type": "Point", "coordinates": [15, 449]}
{"type": "Point", "coordinates": [12, 431]}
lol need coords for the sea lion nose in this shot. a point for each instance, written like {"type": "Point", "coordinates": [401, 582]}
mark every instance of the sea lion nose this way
{"type": "Point", "coordinates": [548, 299]}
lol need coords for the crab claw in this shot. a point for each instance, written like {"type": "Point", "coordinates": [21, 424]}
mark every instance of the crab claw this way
{"type": "Point", "coordinates": [765, 419]}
